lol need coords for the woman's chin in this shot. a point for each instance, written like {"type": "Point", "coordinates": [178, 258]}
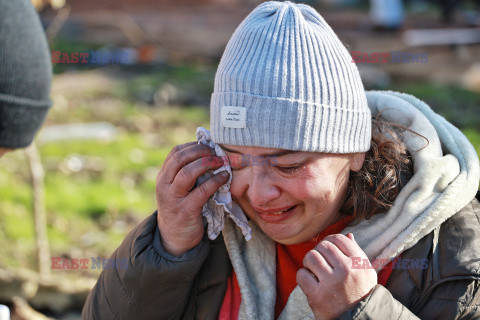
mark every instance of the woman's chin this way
{"type": "Point", "coordinates": [282, 229]}
{"type": "Point", "coordinates": [282, 233]}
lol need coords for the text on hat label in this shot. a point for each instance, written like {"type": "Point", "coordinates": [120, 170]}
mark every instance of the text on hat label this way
{"type": "Point", "coordinates": [234, 117]}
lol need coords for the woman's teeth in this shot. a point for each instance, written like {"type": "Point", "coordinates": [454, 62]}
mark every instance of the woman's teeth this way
{"type": "Point", "coordinates": [280, 212]}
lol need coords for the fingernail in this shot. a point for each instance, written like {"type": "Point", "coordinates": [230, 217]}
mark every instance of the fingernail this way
{"type": "Point", "coordinates": [225, 174]}
{"type": "Point", "coordinates": [353, 238]}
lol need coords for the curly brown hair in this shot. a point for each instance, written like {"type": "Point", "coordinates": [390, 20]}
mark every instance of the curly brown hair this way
{"type": "Point", "coordinates": [387, 168]}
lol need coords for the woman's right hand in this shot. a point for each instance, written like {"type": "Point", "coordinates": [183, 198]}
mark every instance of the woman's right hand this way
{"type": "Point", "coordinates": [179, 207]}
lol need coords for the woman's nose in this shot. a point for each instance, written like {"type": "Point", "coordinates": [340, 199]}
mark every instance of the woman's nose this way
{"type": "Point", "coordinates": [262, 190]}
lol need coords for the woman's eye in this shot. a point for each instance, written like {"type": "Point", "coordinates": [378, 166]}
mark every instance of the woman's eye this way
{"type": "Point", "coordinates": [236, 166]}
{"type": "Point", "coordinates": [289, 169]}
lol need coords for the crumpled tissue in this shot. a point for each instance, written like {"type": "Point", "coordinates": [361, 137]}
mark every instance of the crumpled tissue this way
{"type": "Point", "coordinates": [220, 205]}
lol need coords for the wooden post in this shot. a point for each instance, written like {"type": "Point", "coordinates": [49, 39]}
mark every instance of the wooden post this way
{"type": "Point", "coordinates": [39, 209]}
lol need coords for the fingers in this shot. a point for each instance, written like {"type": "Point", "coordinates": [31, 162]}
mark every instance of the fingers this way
{"type": "Point", "coordinates": [327, 256]}
{"type": "Point", "coordinates": [183, 157]}
{"type": "Point", "coordinates": [187, 176]}
{"type": "Point", "coordinates": [317, 264]}
{"type": "Point", "coordinates": [200, 194]}
{"type": "Point", "coordinates": [332, 254]}
{"type": "Point", "coordinates": [350, 236]}
{"type": "Point", "coordinates": [348, 246]}
{"type": "Point", "coordinates": [178, 148]}
{"type": "Point", "coordinates": [306, 281]}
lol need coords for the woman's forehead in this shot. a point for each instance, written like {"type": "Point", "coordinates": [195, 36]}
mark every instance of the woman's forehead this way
{"type": "Point", "coordinates": [257, 151]}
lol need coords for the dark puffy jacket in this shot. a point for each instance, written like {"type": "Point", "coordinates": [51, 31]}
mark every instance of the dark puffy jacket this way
{"type": "Point", "coordinates": [156, 285]}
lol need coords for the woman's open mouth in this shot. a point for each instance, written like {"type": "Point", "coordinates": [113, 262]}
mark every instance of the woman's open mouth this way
{"type": "Point", "coordinates": [273, 217]}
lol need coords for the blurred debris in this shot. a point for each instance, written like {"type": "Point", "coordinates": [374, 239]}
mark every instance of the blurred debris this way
{"type": "Point", "coordinates": [55, 4]}
{"type": "Point", "coordinates": [146, 54]}
{"type": "Point", "coordinates": [472, 18]}
{"type": "Point", "coordinates": [136, 156]}
{"type": "Point", "coordinates": [60, 18]}
{"type": "Point", "coordinates": [436, 37]}
{"type": "Point", "coordinates": [23, 311]}
{"type": "Point", "coordinates": [74, 163]}
{"type": "Point", "coordinates": [167, 94]}
{"type": "Point", "coordinates": [72, 316]}
{"type": "Point", "coordinates": [336, 3]}
{"type": "Point", "coordinates": [373, 77]}
{"type": "Point", "coordinates": [143, 123]}
{"type": "Point", "coordinates": [463, 53]}
{"type": "Point", "coordinates": [146, 94]}
{"type": "Point", "coordinates": [471, 78]}
{"type": "Point", "coordinates": [150, 173]}
{"type": "Point", "coordinates": [58, 293]}
{"type": "Point", "coordinates": [160, 32]}
{"type": "Point", "coordinates": [103, 131]}
{"type": "Point", "coordinates": [93, 237]}
{"type": "Point", "coordinates": [387, 13]}
{"type": "Point", "coordinates": [81, 82]}
{"type": "Point", "coordinates": [119, 19]}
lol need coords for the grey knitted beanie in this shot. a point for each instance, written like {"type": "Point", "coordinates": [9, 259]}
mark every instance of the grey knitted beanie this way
{"type": "Point", "coordinates": [25, 73]}
{"type": "Point", "coordinates": [286, 81]}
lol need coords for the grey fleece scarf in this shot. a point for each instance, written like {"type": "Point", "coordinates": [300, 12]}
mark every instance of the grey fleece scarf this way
{"type": "Point", "coordinates": [446, 178]}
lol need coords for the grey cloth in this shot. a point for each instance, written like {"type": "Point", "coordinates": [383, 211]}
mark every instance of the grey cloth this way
{"type": "Point", "coordinates": [25, 73]}
{"type": "Point", "coordinates": [220, 205]}
{"type": "Point", "coordinates": [286, 81]}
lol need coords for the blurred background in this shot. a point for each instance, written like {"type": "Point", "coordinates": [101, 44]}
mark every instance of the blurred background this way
{"type": "Point", "coordinates": [145, 87]}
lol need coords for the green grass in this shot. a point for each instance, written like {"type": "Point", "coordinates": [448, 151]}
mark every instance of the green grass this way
{"type": "Point", "coordinates": [459, 106]}
{"type": "Point", "coordinates": [79, 202]}
{"type": "Point", "coordinates": [473, 136]}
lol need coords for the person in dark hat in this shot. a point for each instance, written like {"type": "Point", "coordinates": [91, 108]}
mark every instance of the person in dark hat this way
{"type": "Point", "coordinates": [25, 74]}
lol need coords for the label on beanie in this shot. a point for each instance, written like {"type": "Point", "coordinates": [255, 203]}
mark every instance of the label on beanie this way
{"type": "Point", "coordinates": [234, 117]}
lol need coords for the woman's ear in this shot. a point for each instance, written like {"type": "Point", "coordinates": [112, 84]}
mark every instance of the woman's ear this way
{"type": "Point", "coordinates": [357, 160]}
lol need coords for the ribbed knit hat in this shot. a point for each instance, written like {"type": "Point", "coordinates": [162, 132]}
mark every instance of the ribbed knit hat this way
{"type": "Point", "coordinates": [286, 81]}
{"type": "Point", "coordinates": [25, 73]}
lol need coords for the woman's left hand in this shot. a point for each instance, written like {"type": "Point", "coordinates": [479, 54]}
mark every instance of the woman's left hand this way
{"type": "Point", "coordinates": [328, 280]}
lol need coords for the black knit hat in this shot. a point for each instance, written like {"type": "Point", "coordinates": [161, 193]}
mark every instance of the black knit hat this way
{"type": "Point", "coordinates": [25, 73]}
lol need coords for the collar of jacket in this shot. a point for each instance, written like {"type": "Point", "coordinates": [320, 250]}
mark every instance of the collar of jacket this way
{"type": "Point", "coordinates": [452, 254]}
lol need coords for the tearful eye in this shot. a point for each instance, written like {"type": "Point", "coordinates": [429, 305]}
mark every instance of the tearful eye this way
{"type": "Point", "coordinates": [289, 169]}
